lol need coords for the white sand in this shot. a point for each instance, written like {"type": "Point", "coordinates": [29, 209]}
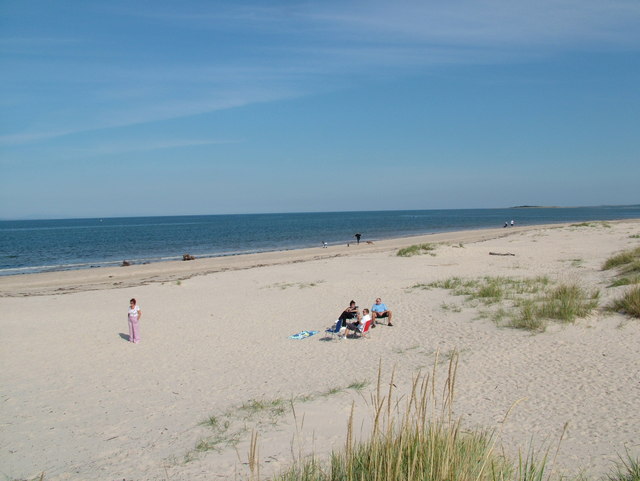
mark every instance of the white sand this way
{"type": "Point", "coordinates": [80, 402]}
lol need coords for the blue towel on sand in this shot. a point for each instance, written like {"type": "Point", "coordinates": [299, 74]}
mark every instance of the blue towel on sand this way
{"type": "Point", "coordinates": [303, 335]}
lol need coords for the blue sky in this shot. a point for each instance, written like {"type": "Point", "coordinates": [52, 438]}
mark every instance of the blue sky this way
{"type": "Point", "coordinates": [160, 107]}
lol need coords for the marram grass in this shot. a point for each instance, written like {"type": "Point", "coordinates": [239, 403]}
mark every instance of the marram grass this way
{"type": "Point", "coordinates": [416, 438]}
{"type": "Point", "coordinates": [524, 303]}
{"type": "Point", "coordinates": [624, 258]}
{"type": "Point", "coordinates": [627, 469]}
{"type": "Point", "coordinates": [416, 249]}
{"type": "Point", "coordinates": [629, 303]}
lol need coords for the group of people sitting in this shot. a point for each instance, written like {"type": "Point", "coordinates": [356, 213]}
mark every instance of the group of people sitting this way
{"type": "Point", "coordinates": [354, 321]}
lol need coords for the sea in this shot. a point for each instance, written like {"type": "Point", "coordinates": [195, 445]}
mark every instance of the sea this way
{"type": "Point", "coordinates": [31, 246]}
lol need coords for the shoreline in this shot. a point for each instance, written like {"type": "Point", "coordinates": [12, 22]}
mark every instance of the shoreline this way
{"type": "Point", "coordinates": [112, 277]}
{"type": "Point", "coordinates": [21, 261]}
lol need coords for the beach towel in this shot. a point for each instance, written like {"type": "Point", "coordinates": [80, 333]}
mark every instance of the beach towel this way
{"type": "Point", "coordinates": [303, 335]}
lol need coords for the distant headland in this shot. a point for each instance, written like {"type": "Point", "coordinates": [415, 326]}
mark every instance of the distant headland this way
{"type": "Point", "coordinates": [569, 207]}
{"type": "Point", "coordinates": [535, 207]}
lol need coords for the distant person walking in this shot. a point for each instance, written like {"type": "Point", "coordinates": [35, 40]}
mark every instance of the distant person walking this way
{"type": "Point", "coordinates": [513, 223]}
{"type": "Point", "coordinates": [134, 321]}
{"type": "Point", "coordinates": [357, 236]}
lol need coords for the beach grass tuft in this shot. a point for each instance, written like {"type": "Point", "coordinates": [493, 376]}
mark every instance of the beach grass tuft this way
{"type": "Point", "coordinates": [358, 385]}
{"type": "Point", "coordinates": [564, 303]}
{"type": "Point", "coordinates": [633, 268]}
{"type": "Point", "coordinates": [271, 408]}
{"type": "Point", "coordinates": [606, 225]}
{"type": "Point", "coordinates": [450, 307]}
{"type": "Point", "coordinates": [629, 303]}
{"type": "Point", "coordinates": [489, 290]}
{"type": "Point", "coordinates": [527, 317]}
{"type": "Point", "coordinates": [623, 281]}
{"type": "Point", "coordinates": [629, 259]}
{"type": "Point", "coordinates": [523, 303]}
{"type": "Point", "coordinates": [229, 428]}
{"type": "Point", "coordinates": [417, 249]}
{"type": "Point", "coordinates": [567, 302]}
{"type": "Point", "coordinates": [627, 264]}
{"type": "Point", "coordinates": [299, 285]}
{"type": "Point", "coordinates": [576, 262]}
{"type": "Point", "coordinates": [626, 469]}
{"type": "Point", "coordinates": [416, 437]}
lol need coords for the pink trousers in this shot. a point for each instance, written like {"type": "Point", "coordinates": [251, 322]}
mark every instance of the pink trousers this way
{"type": "Point", "coordinates": [134, 329]}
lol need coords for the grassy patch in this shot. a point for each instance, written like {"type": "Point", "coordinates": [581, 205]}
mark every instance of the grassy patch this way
{"type": "Point", "coordinates": [629, 303]}
{"type": "Point", "coordinates": [626, 470]}
{"type": "Point", "coordinates": [410, 442]}
{"type": "Point", "coordinates": [417, 438]}
{"type": "Point", "coordinates": [633, 268]}
{"type": "Point", "coordinates": [260, 408]}
{"type": "Point", "coordinates": [417, 249]}
{"type": "Point", "coordinates": [450, 307]}
{"type": "Point", "coordinates": [625, 281]}
{"type": "Point", "coordinates": [229, 428]}
{"type": "Point", "coordinates": [567, 302]}
{"type": "Point", "coordinates": [605, 225]}
{"type": "Point", "coordinates": [522, 303]}
{"type": "Point", "coordinates": [287, 285]}
{"type": "Point", "coordinates": [488, 290]}
{"type": "Point", "coordinates": [627, 264]}
{"type": "Point", "coordinates": [404, 350]}
{"type": "Point", "coordinates": [526, 316]}
{"type": "Point", "coordinates": [358, 385]}
{"type": "Point", "coordinates": [628, 259]}
{"type": "Point", "coordinates": [576, 262]}
{"type": "Point", "coordinates": [564, 303]}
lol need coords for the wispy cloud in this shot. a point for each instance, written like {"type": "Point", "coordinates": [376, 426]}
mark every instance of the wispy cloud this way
{"type": "Point", "coordinates": [122, 147]}
{"type": "Point", "coordinates": [505, 23]}
{"type": "Point", "coordinates": [240, 54]}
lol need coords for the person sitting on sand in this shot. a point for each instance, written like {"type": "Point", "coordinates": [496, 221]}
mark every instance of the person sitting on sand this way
{"type": "Point", "coordinates": [350, 312]}
{"type": "Point", "coordinates": [359, 325]}
{"type": "Point", "coordinates": [379, 310]}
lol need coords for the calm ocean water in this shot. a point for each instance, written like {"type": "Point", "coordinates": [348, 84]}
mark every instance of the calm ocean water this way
{"type": "Point", "coordinates": [51, 245]}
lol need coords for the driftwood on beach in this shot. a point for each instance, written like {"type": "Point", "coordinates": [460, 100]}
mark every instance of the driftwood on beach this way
{"type": "Point", "coordinates": [501, 254]}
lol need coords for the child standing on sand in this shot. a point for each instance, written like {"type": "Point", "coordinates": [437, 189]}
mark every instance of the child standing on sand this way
{"type": "Point", "coordinates": [134, 317]}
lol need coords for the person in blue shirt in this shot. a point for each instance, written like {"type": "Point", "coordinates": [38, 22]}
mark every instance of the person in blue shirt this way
{"type": "Point", "coordinates": [379, 310]}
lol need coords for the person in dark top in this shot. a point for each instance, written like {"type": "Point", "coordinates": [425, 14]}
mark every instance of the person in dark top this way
{"type": "Point", "coordinates": [350, 312]}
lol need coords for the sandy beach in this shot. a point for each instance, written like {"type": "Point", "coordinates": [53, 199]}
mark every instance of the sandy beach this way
{"type": "Point", "coordinates": [215, 363]}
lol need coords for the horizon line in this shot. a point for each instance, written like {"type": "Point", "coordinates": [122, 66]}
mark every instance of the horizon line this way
{"type": "Point", "coordinates": [8, 219]}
